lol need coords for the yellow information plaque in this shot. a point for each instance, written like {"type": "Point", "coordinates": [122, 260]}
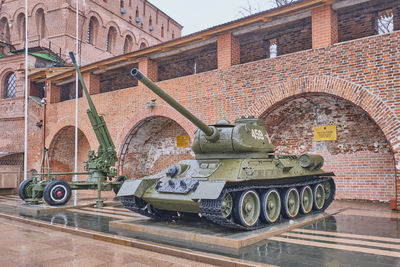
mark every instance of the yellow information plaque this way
{"type": "Point", "coordinates": [183, 141]}
{"type": "Point", "coordinates": [325, 133]}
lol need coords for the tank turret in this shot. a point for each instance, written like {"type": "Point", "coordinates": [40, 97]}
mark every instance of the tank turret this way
{"type": "Point", "coordinates": [236, 179]}
{"type": "Point", "coordinates": [222, 139]}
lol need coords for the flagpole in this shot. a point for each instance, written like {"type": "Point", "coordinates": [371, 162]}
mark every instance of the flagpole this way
{"type": "Point", "coordinates": [76, 90]}
{"type": "Point", "coordinates": [26, 95]}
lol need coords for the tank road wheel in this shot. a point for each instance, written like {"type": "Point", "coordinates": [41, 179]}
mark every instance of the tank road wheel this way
{"type": "Point", "coordinates": [57, 192]}
{"type": "Point", "coordinates": [306, 198]}
{"type": "Point", "coordinates": [271, 206]}
{"type": "Point", "coordinates": [327, 189]}
{"type": "Point", "coordinates": [247, 208]}
{"type": "Point", "coordinates": [227, 205]}
{"type": "Point", "coordinates": [291, 203]}
{"type": "Point", "coordinates": [319, 196]}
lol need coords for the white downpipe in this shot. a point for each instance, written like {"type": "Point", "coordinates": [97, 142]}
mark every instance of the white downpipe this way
{"type": "Point", "coordinates": [26, 95]}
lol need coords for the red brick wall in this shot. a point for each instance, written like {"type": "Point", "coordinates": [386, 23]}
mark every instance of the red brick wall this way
{"type": "Point", "coordinates": [184, 64]}
{"type": "Point", "coordinates": [360, 157]}
{"type": "Point", "coordinates": [324, 27]}
{"type": "Point", "coordinates": [359, 21]}
{"type": "Point", "coordinates": [290, 37]}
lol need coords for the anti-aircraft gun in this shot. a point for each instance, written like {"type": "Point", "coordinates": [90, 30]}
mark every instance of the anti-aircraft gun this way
{"type": "Point", "coordinates": [98, 167]}
{"type": "Point", "coordinates": [235, 180]}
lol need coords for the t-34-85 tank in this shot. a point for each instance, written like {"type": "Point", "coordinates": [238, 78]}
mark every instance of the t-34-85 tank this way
{"type": "Point", "coordinates": [235, 180]}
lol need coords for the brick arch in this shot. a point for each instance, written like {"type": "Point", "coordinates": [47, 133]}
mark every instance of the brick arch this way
{"type": "Point", "coordinates": [141, 118]}
{"type": "Point", "coordinates": [158, 111]}
{"type": "Point", "coordinates": [95, 14]}
{"type": "Point", "coordinates": [37, 7]}
{"type": "Point", "coordinates": [6, 15]}
{"type": "Point", "coordinates": [384, 117]}
{"type": "Point", "coordinates": [378, 110]}
{"type": "Point", "coordinates": [62, 151]}
{"type": "Point", "coordinates": [115, 25]}
{"type": "Point", "coordinates": [84, 127]}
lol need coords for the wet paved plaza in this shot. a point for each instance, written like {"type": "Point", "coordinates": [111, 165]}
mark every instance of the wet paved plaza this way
{"type": "Point", "coordinates": [362, 234]}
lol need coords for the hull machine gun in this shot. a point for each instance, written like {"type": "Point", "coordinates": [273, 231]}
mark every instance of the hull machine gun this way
{"type": "Point", "coordinates": [98, 168]}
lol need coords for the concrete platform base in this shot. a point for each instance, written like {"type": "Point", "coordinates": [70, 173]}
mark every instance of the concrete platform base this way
{"type": "Point", "coordinates": [42, 208]}
{"type": "Point", "coordinates": [205, 235]}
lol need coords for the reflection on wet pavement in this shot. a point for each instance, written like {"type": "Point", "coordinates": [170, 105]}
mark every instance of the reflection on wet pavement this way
{"type": "Point", "coordinates": [364, 234]}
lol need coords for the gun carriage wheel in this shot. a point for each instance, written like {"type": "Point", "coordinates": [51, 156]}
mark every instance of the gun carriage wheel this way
{"type": "Point", "coordinates": [57, 192]}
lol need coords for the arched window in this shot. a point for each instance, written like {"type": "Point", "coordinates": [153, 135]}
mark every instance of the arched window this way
{"type": "Point", "coordinates": [142, 45]}
{"type": "Point", "coordinates": [4, 31]}
{"type": "Point", "coordinates": [40, 23]}
{"type": "Point", "coordinates": [21, 26]}
{"type": "Point", "coordinates": [137, 12]}
{"type": "Point", "coordinates": [173, 34]}
{"type": "Point", "coordinates": [111, 38]}
{"type": "Point", "coordinates": [10, 85]}
{"type": "Point", "coordinates": [122, 4]}
{"type": "Point", "coordinates": [128, 44]}
{"type": "Point", "coordinates": [92, 30]}
{"type": "Point", "coordinates": [162, 31]}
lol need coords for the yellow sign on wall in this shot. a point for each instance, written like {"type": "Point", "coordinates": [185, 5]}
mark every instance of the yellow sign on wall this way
{"type": "Point", "coordinates": [183, 141]}
{"type": "Point", "coordinates": [325, 133]}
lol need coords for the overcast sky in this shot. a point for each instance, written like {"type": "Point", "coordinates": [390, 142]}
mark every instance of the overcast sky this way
{"type": "Point", "coordinates": [199, 15]}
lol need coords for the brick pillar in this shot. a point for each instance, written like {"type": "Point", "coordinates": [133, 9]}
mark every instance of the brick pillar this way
{"type": "Point", "coordinates": [92, 83]}
{"type": "Point", "coordinates": [324, 27]}
{"type": "Point", "coordinates": [228, 50]}
{"type": "Point", "coordinates": [53, 93]}
{"type": "Point", "coordinates": [149, 68]}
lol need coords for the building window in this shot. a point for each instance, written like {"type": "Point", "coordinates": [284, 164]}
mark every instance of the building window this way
{"type": "Point", "coordinates": [92, 31]}
{"type": "Point", "coordinates": [21, 26]}
{"type": "Point", "coordinates": [111, 38]}
{"type": "Point", "coordinates": [142, 45]}
{"type": "Point", "coordinates": [10, 85]}
{"type": "Point", "coordinates": [173, 34]}
{"type": "Point", "coordinates": [384, 22]}
{"type": "Point", "coordinates": [5, 31]}
{"type": "Point", "coordinates": [122, 4]}
{"type": "Point", "coordinates": [273, 48]}
{"type": "Point", "coordinates": [40, 23]}
{"type": "Point", "coordinates": [128, 44]}
{"type": "Point", "coordinates": [137, 12]}
{"type": "Point", "coordinates": [162, 31]}
{"type": "Point", "coordinates": [130, 3]}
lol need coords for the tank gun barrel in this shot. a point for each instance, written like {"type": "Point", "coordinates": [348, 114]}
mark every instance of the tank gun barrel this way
{"type": "Point", "coordinates": [167, 98]}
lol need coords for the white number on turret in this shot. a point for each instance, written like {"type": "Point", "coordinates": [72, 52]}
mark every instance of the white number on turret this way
{"type": "Point", "coordinates": [257, 134]}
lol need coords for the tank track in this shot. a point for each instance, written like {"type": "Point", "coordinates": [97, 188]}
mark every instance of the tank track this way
{"type": "Point", "coordinates": [211, 208]}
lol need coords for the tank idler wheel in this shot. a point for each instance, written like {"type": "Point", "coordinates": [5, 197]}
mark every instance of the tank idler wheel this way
{"type": "Point", "coordinates": [247, 208]}
{"type": "Point", "coordinates": [306, 197]}
{"type": "Point", "coordinates": [117, 187]}
{"type": "Point", "coordinates": [291, 203]}
{"type": "Point", "coordinates": [271, 206]}
{"type": "Point", "coordinates": [319, 196]}
{"type": "Point", "coordinates": [327, 189]}
{"type": "Point", "coordinates": [227, 205]}
{"type": "Point", "coordinates": [57, 192]}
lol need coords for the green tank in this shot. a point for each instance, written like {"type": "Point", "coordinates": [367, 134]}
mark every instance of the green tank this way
{"type": "Point", "coordinates": [235, 180]}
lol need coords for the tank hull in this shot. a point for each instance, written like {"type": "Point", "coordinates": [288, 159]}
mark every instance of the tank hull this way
{"type": "Point", "coordinates": [200, 186]}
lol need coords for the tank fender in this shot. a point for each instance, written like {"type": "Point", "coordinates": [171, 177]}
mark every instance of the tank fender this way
{"type": "Point", "coordinates": [208, 190]}
{"type": "Point", "coordinates": [135, 187]}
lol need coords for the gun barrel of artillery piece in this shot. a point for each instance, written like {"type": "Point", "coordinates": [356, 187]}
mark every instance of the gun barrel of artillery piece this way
{"type": "Point", "coordinates": [167, 98]}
